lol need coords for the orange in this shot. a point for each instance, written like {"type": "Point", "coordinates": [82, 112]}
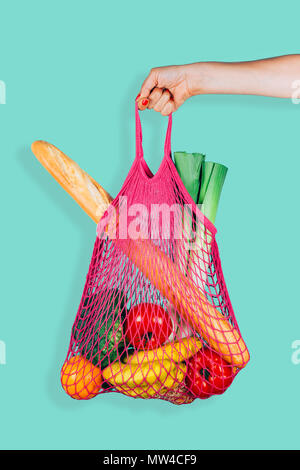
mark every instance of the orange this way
{"type": "Point", "coordinates": [80, 378]}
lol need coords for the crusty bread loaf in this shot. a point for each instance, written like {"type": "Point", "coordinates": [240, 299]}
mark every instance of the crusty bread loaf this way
{"type": "Point", "coordinates": [93, 199]}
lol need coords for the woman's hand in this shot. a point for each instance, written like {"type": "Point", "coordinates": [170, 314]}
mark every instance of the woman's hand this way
{"type": "Point", "coordinates": [167, 88]}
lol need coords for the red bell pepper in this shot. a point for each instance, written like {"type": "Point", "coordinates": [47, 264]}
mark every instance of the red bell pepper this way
{"type": "Point", "coordinates": [208, 374]}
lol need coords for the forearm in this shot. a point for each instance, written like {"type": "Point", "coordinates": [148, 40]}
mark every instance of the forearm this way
{"type": "Point", "coordinates": [268, 77]}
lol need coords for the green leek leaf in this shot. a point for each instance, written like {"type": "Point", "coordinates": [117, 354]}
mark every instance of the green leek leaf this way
{"type": "Point", "coordinates": [188, 166]}
{"type": "Point", "coordinates": [213, 190]}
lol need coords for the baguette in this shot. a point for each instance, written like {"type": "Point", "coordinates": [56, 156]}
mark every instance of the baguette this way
{"type": "Point", "coordinates": [191, 303]}
{"type": "Point", "coordinates": [91, 197]}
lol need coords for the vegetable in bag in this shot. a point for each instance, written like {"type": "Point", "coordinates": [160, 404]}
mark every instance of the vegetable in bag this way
{"type": "Point", "coordinates": [106, 341]}
{"type": "Point", "coordinates": [147, 326]}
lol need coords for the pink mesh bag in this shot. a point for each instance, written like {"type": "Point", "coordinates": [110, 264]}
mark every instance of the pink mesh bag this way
{"type": "Point", "coordinates": [155, 318]}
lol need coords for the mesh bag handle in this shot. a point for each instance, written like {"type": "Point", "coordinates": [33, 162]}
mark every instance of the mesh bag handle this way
{"type": "Point", "coordinates": [139, 136]}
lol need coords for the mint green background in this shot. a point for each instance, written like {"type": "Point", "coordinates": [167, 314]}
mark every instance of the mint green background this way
{"type": "Point", "coordinates": [72, 70]}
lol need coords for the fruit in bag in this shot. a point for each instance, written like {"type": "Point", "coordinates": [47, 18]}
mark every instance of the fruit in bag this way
{"type": "Point", "coordinates": [208, 374]}
{"type": "Point", "coordinates": [80, 378]}
{"type": "Point", "coordinates": [147, 326]}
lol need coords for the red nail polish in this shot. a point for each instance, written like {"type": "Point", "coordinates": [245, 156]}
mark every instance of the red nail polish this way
{"type": "Point", "coordinates": [145, 102]}
{"type": "Point", "coordinates": [138, 96]}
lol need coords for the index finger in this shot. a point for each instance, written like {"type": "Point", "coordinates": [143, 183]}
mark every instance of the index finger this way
{"type": "Point", "coordinates": [149, 83]}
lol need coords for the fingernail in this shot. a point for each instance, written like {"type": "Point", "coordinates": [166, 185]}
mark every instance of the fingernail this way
{"type": "Point", "coordinates": [138, 96]}
{"type": "Point", "coordinates": [145, 102]}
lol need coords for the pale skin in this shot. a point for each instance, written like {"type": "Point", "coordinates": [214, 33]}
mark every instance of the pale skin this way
{"type": "Point", "coordinates": [166, 88]}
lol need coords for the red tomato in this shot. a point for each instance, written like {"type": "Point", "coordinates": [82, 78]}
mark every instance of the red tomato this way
{"type": "Point", "coordinates": [147, 326]}
{"type": "Point", "coordinates": [208, 374]}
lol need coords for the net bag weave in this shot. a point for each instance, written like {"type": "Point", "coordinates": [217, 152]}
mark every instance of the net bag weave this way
{"type": "Point", "coordinates": [155, 319]}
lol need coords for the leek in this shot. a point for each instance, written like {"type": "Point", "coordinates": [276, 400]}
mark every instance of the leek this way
{"type": "Point", "coordinates": [210, 181]}
{"type": "Point", "coordinates": [204, 182]}
{"type": "Point", "coordinates": [188, 166]}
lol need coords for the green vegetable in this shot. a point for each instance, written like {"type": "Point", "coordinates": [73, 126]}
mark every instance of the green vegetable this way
{"type": "Point", "coordinates": [188, 166]}
{"type": "Point", "coordinates": [105, 341]}
{"type": "Point", "coordinates": [206, 171]}
{"type": "Point", "coordinates": [212, 179]}
{"type": "Point", "coordinates": [204, 182]}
